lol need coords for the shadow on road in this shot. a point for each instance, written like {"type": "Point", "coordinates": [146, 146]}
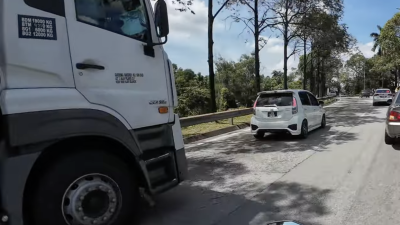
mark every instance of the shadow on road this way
{"type": "Point", "coordinates": [354, 114]}
{"type": "Point", "coordinates": [197, 206]}
{"type": "Point", "coordinates": [317, 140]}
{"type": "Point", "coordinates": [235, 181]}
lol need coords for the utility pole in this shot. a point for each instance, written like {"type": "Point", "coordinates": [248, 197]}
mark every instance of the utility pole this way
{"type": "Point", "coordinates": [364, 75]}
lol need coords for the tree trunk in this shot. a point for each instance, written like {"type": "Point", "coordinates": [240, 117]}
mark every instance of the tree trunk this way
{"type": "Point", "coordinates": [211, 56]}
{"type": "Point", "coordinates": [323, 79]}
{"type": "Point", "coordinates": [305, 64]}
{"type": "Point", "coordinates": [285, 58]}
{"type": "Point", "coordinates": [257, 47]}
{"type": "Point", "coordinates": [312, 77]}
{"type": "Point", "coordinates": [317, 76]}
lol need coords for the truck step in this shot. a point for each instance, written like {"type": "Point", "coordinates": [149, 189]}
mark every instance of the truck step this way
{"type": "Point", "coordinates": [158, 159]}
{"type": "Point", "coordinates": [165, 186]}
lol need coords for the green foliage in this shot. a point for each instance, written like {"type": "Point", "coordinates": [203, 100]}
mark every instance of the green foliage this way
{"type": "Point", "coordinates": [193, 93]}
{"type": "Point", "coordinates": [235, 86]}
{"type": "Point", "coordinates": [356, 63]}
{"type": "Point", "coordinates": [385, 66]}
{"type": "Point", "coordinates": [390, 39]}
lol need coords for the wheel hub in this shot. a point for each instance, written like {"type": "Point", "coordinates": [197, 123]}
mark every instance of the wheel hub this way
{"type": "Point", "coordinates": [91, 199]}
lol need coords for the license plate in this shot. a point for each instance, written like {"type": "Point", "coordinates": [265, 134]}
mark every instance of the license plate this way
{"type": "Point", "coordinates": [272, 114]}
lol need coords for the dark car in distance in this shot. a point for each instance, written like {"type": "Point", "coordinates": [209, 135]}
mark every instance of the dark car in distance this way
{"type": "Point", "coordinates": [365, 93]}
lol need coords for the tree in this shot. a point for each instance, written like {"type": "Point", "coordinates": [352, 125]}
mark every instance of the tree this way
{"type": "Point", "coordinates": [357, 64]}
{"type": "Point", "coordinates": [238, 78]}
{"type": "Point", "coordinates": [288, 13]}
{"type": "Point", "coordinates": [193, 94]}
{"type": "Point", "coordinates": [327, 39]}
{"type": "Point", "coordinates": [377, 45]}
{"type": "Point", "coordinates": [389, 40]}
{"type": "Point", "coordinates": [211, 73]}
{"type": "Point", "coordinates": [291, 13]}
{"type": "Point", "coordinates": [256, 22]}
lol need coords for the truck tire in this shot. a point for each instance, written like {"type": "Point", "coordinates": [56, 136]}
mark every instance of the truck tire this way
{"type": "Point", "coordinates": [87, 187]}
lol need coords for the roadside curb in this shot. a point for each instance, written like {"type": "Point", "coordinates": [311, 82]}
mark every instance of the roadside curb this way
{"type": "Point", "coordinates": [226, 130]}
{"type": "Point", "coordinates": [215, 133]}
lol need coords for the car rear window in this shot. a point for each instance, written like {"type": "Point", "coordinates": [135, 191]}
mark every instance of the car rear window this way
{"type": "Point", "coordinates": [278, 99]}
{"type": "Point", "coordinates": [382, 91]}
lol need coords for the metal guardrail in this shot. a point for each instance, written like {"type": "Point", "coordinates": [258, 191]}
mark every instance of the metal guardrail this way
{"type": "Point", "coordinates": [230, 114]}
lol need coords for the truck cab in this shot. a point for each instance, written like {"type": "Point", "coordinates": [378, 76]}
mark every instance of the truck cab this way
{"type": "Point", "coordinates": [87, 97]}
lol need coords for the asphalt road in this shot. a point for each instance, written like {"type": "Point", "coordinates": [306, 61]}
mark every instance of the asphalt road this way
{"type": "Point", "coordinates": [343, 174]}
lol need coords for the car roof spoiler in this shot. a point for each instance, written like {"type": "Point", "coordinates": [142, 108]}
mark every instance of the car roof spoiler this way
{"type": "Point", "coordinates": [273, 92]}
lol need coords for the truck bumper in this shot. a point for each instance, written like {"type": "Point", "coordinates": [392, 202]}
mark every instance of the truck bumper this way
{"type": "Point", "coordinates": [180, 154]}
{"type": "Point", "coordinates": [181, 164]}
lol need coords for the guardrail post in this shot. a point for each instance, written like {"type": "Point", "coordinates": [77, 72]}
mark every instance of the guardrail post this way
{"type": "Point", "coordinates": [231, 121]}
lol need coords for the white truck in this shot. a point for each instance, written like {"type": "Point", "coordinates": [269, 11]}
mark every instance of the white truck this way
{"type": "Point", "coordinates": [87, 121]}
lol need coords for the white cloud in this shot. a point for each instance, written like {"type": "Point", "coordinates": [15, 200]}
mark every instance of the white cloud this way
{"type": "Point", "coordinates": [186, 26]}
{"type": "Point", "coordinates": [366, 49]}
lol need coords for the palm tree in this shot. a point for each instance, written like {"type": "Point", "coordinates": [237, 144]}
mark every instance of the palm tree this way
{"type": "Point", "coordinates": [377, 45]}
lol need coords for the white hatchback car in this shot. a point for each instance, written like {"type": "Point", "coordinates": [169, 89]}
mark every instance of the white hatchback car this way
{"type": "Point", "coordinates": [382, 95]}
{"type": "Point", "coordinates": [293, 111]}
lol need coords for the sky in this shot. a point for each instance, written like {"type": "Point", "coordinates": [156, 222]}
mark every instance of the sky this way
{"type": "Point", "coordinates": [187, 41]}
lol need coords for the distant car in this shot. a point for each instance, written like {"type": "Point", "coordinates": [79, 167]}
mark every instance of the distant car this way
{"type": "Point", "coordinates": [332, 93]}
{"type": "Point", "coordinates": [292, 111]}
{"type": "Point", "coordinates": [382, 96]}
{"type": "Point", "coordinates": [365, 93]}
{"type": "Point", "coordinates": [392, 126]}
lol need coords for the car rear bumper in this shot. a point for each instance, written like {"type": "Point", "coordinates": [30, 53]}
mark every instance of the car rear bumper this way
{"type": "Point", "coordinates": [393, 129]}
{"type": "Point", "coordinates": [381, 100]}
{"type": "Point", "coordinates": [292, 126]}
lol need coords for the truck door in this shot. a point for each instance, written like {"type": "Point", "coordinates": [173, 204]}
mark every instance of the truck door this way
{"type": "Point", "coordinates": [111, 66]}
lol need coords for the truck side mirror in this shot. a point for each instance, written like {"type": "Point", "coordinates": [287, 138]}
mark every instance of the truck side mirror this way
{"type": "Point", "coordinates": [161, 19]}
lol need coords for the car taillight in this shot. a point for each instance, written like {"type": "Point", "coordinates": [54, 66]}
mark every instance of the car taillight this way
{"type": "Point", "coordinates": [394, 116]}
{"type": "Point", "coordinates": [254, 107]}
{"type": "Point", "coordinates": [294, 106]}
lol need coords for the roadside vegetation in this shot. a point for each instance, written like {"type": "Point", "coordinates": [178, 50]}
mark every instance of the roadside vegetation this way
{"type": "Point", "coordinates": [212, 126]}
{"type": "Point", "coordinates": [313, 31]}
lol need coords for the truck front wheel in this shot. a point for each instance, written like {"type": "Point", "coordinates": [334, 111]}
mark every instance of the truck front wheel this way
{"type": "Point", "coordinates": [88, 187]}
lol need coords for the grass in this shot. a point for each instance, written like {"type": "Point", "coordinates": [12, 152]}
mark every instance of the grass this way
{"type": "Point", "coordinates": [329, 101]}
{"type": "Point", "coordinates": [207, 127]}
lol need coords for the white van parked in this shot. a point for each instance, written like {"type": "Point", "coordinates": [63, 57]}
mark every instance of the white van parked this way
{"type": "Point", "coordinates": [292, 111]}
